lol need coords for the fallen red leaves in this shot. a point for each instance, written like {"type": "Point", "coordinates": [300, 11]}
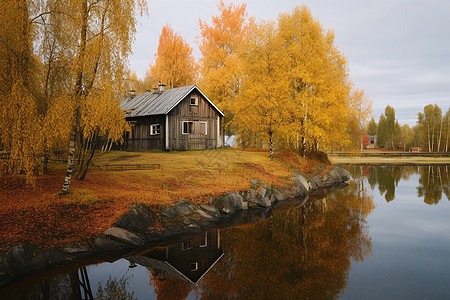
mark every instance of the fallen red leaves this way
{"type": "Point", "coordinates": [38, 215]}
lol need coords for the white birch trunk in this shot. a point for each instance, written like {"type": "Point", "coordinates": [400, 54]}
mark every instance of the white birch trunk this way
{"type": "Point", "coordinates": [70, 162]}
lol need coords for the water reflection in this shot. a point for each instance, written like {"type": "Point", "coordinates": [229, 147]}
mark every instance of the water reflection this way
{"type": "Point", "coordinates": [188, 260]}
{"type": "Point", "coordinates": [434, 180]}
{"type": "Point", "coordinates": [72, 285]}
{"type": "Point", "coordinates": [114, 288]}
{"type": "Point", "coordinates": [300, 253]}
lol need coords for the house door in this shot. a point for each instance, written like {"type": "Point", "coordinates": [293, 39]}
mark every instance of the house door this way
{"type": "Point", "coordinates": [199, 136]}
{"type": "Point", "coordinates": [196, 133]}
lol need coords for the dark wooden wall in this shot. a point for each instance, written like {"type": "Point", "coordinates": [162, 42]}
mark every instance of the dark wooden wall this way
{"type": "Point", "coordinates": [139, 139]}
{"type": "Point", "coordinates": [184, 111]}
{"type": "Point", "coordinates": [181, 257]}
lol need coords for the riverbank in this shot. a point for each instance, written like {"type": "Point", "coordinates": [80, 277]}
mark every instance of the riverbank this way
{"type": "Point", "coordinates": [39, 216]}
{"type": "Point", "coordinates": [389, 159]}
{"type": "Point", "coordinates": [145, 223]}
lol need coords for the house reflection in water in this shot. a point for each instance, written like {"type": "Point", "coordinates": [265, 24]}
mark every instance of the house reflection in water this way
{"type": "Point", "coordinates": [188, 260]}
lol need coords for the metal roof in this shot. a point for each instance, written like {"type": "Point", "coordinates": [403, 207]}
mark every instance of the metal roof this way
{"type": "Point", "coordinates": [159, 103]}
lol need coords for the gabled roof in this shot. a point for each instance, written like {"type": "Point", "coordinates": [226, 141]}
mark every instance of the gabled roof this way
{"type": "Point", "coordinates": [167, 268]}
{"type": "Point", "coordinates": [154, 103]}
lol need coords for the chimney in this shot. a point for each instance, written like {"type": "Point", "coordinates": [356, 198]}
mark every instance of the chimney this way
{"type": "Point", "coordinates": [155, 91]}
{"type": "Point", "coordinates": [162, 87]}
{"type": "Point", "coordinates": [132, 93]}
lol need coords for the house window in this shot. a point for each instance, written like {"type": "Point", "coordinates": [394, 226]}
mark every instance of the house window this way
{"type": "Point", "coordinates": [204, 241]}
{"type": "Point", "coordinates": [186, 245]}
{"type": "Point", "coordinates": [194, 101]}
{"type": "Point", "coordinates": [188, 127]}
{"type": "Point", "coordinates": [204, 128]}
{"type": "Point", "coordinates": [155, 129]}
{"type": "Point", "coordinates": [194, 267]}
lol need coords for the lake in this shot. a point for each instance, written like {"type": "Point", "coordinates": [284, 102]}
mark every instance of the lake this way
{"type": "Point", "coordinates": [384, 236]}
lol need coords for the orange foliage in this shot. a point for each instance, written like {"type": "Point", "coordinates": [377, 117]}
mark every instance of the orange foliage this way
{"type": "Point", "coordinates": [39, 215]}
{"type": "Point", "coordinates": [167, 287]}
{"type": "Point", "coordinates": [174, 65]}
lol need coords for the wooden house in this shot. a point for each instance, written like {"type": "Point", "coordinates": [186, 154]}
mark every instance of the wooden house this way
{"type": "Point", "coordinates": [175, 119]}
{"type": "Point", "coordinates": [188, 260]}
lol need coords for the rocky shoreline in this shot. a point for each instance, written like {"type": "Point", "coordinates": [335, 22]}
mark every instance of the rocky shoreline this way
{"type": "Point", "coordinates": [140, 226]}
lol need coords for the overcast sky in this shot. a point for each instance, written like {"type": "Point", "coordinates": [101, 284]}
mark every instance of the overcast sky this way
{"type": "Point", "coordinates": [398, 50]}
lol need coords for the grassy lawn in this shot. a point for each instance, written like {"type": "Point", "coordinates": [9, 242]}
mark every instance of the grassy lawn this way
{"type": "Point", "coordinates": [39, 215]}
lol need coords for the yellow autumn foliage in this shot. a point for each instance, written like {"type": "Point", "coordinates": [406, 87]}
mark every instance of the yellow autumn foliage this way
{"type": "Point", "coordinates": [63, 70]}
{"type": "Point", "coordinates": [174, 66]}
{"type": "Point", "coordinates": [220, 43]}
{"type": "Point", "coordinates": [295, 86]}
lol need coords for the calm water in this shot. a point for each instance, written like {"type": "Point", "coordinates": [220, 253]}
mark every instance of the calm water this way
{"type": "Point", "coordinates": [385, 236]}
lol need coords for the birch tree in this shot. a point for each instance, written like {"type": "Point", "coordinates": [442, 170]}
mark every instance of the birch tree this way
{"type": "Point", "coordinates": [431, 125]}
{"type": "Point", "coordinates": [104, 30]}
{"type": "Point", "coordinates": [446, 133]}
{"type": "Point", "coordinates": [319, 81]}
{"type": "Point", "coordinates": [262, 105]}
{"type": "Point", "coordinates": [20, 125]}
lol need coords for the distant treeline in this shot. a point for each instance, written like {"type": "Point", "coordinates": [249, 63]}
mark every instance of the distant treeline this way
{"type": "Point", "coordinates": [431, 133]}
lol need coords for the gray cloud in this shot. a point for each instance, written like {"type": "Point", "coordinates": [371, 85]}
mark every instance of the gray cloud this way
{"type": "Point", "coordinates": [398, 51]}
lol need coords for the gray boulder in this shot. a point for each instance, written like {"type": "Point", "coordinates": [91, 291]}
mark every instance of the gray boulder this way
{"type": "Point", "coordinates": [263, 198]}
{"type": "Point", "coordinates": [138, 219]}
{"type": "Point", "coordinates": [211, 210]}
{"type": "Point", "coordinates": [75, 248]}
{"type": "Point", "coordinates": [106, 244]}
{"type": "Point", "coordinates": [301, 182]}
{"type": "Point", "coordinates": [124, 236]}
{"type": "Point", "coordinates": [316, 180]}
{"type": "Point", "coordinates": [204, 215]}
{"type": "Point", "coordinates": [280, 193]}
{"type": "Point", "coordinates": [299, 192]}
{"type": "Point", "coordinates": [230, 203]}
{"type": "Point", "coordinates": [181, 209]}
{"type": "Point", "coordinates": [344, 174]}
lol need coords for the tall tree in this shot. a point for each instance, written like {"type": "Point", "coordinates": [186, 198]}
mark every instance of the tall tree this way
{"type": "Point", "coordinates": [362, 108]}
{"type": "Point", "coordinates": [381, 132]}
{"type": "Point", "coordinates": [430, 124]}
{"type": "Point", "coordinates": [20, 125]}
{"type": "Point", "coordinates": [389, 132]}
{"type": "Point", "coordinates": [319, 82]}
{"type": "Point", "coordinates": [174, 64]}
{"type": "Point", "coordinates": [262, 105]}
{"type": "Point", "coordinates": [407, 137]}
{"type": "Point", "coordinates": [446, 132]}
{"type": "Point", "coordinates": [220, 70]}
{"type": "Point", "coordinates": [372, 127]}
{"type": "Point", "coordinates": [104, 30]}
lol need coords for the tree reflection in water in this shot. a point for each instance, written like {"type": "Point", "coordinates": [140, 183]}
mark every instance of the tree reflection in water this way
{"type": "Point", "coordinates": [300, 253]}
{"type": "Point", "coordinates": [74, 285]}
{"type": "Point", "coordinates": [433, 182]}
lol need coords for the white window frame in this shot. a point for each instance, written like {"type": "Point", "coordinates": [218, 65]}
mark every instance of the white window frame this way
{"type": "Point", "coordinates": [195, 98]}
{"type": "Point", "coordinates": [186, 245]}
{"type": "Point", "coordinates": [182, 127]}
{"type": "Point", "coordinates": [204, 241]}
{"type": "Point", "coordinates": [195, 266]}
{"type": "Point", "coordinates": [155, 129]}
{"type": "Point", "coordinates": [206, 127]}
